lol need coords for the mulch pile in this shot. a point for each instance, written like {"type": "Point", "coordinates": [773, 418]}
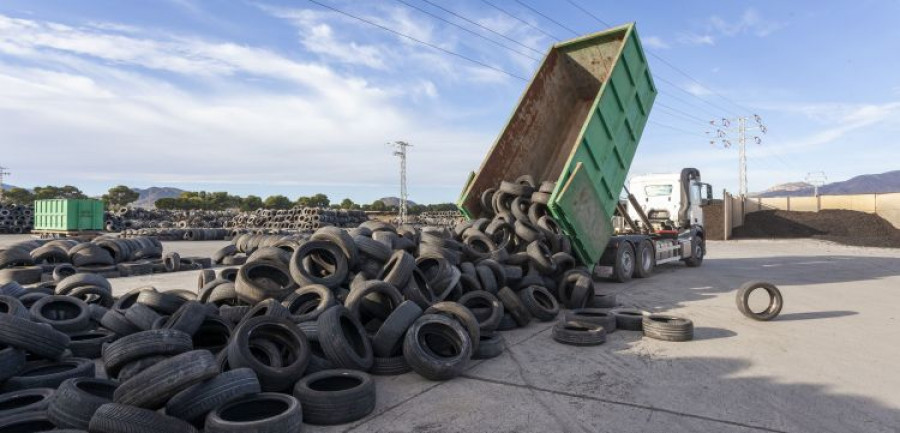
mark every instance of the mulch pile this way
{"type": "Point", "coordinates": [842, 226]}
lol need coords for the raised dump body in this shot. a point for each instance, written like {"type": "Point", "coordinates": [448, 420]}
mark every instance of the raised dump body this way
{"type": "Point", "coordinates": [578, 123]}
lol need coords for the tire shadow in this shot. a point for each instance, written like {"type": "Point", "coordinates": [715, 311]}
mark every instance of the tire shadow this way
{"type": "Point", "coordinates": [708, 333]}
{"type": "Point", "coordinates": [812, 315]}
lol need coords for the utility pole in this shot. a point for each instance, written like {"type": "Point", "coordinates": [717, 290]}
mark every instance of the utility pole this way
{"type": "Point", "coordinates": [816, 179]}
{"type": "Point", "coordinates": [724, 128]}
{"type": "Point", "coordinates": [3, 172]}
{"type": "Point", "coordinates": [401, 153]}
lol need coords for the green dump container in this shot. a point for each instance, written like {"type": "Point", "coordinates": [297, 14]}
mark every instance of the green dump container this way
{"type": "Point", "coordinates": [68, 214]}
{"type": "Point", "coordinates": [578, 124]}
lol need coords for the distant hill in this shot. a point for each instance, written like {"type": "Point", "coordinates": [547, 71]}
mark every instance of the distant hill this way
{"type": "Point", "coordinates": [149, 196]}
{"type": "Point", "coordinates": [864, 184]}
{"type": "Point", "coordinates": [7, 187]}
{"type": "Point", "coordinates": [395, 201]}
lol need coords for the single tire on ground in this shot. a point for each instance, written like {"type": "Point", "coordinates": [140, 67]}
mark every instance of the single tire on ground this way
{"type": "Point", "coordinates": [335, 396]}
{"type": "Point", "coordinates": [773, 309]}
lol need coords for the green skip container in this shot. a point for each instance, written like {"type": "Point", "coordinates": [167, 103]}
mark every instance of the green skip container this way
{"type": "Point", "coordinates": [68, 215]}
{"type": "Point", "coordinates": [578, 124]}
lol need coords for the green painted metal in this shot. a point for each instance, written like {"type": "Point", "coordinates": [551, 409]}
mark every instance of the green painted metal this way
{"type": "Point", "coordinates": [68, 214]}
{"type": "Point", "coordinates": [578, 123]}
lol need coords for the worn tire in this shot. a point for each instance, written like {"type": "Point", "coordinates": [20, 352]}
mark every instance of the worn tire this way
{"type": "Point", "coordinates": [165, 342]}
{"type": "Point", "coordinates": [478, 301]}
{"type": "Point", "coordinates": [120, 418]}
{"type": "Point", "coordinates": [392, 366]}
{"type": "Point", "coordinates": [12, 361]}
{"type": "Point", "coordinates": [579, 333]}
{"type": "Point", "coordinates": [629, 319]}
{"type": "Point", "coordinates": [88, 344]}
{"type": "Point", "coordinates": [302, 275]}
{"type": "Point", "coordinates": [344, 340]}
{"type": "Point", "coordinates": [461, 314]}
{"type": "Point", "coordinates": [259, 281]}
{"type": "Point", "coordinates": [668, 328]}
{"type": "Point", "coordinates": [489, 347]}
{"type": "Point", "coordinates": [153, 387]}
{"type": "Point", "coordinates": [266, 412]}
{"type": "Point", "coordinates": [388, 340]}
{"type": "Point", "coordinates": [540, 303]}
{"type": "Point", "coordinates": [49, 374]}
{"type": "Point", "coordinates": [335, 396]}
{"type": "Point", "coordinates": [39, 339]}
{"type": "Point", "coordinates": [513, 305]}
{"type": "Point", "coordinates": [195, 402]}
{"type": "Point", "coordinates": [437, 347]}
{"type": "Point", "coordinates": [25, 400]}
{"type": "Point", "coordinates": [285, 335]}
{"type": "Point", "coordinates": [775, 300]}
{"type": "Point", "coordinates": [307, 303]}
{"type": "Point", "coordinates": [77, 399]}
{"type": "Point", "coordinates": [26, 422]}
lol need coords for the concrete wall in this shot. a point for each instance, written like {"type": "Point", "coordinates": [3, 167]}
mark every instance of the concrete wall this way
{"type": "Point", "coordinates": [886, 206]}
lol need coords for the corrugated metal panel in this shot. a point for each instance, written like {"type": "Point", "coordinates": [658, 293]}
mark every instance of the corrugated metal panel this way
{"type": "Point", "coordinates": [68, 214]}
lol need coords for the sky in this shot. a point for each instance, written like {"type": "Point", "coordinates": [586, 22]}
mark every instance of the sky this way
{"type": "Point", "coordinates": [292, 97]}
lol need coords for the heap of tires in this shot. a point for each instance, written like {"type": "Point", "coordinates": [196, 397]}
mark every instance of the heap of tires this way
{"type": "Point", "coordinates": [193, 234]}
{"type": "Point", "coordinates": [440, 218]}
{"type": "Point", "coordinates": [297, 218]}
{"type": "Point", "coordinates": [135, 218]}
{"type": "Point", "coordinates": [16, 218]}
{"type": "Point", "coordinates": [37, 261]}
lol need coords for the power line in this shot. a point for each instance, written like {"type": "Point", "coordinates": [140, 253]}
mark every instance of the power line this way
{"type": "Point", "coordinates": [548, 18]}
{"type": "Point", "coordinates": [444, 50]}
{"type": "Point", "coordinates": [681, 113]}
{"type": "Point", "coordinates": [550, 35]}
{"type": "Point", "coordinates": [674, 128]}
{"type": "Point", "coordinates": [589, 13]}
{"type": "Point", "coordinates": [467, 30]}
{"type": "Point", "coordinates": [483, 27]}
{"type": "Point", "coordinates": [718, 107]}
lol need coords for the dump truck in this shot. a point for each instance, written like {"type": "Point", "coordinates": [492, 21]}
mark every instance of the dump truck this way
{"type": "Point", "coordinates": [579, 123]}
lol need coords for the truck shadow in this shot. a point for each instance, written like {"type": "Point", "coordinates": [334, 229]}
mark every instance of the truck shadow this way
{"type": "Point", "coordinates": [814, 315]}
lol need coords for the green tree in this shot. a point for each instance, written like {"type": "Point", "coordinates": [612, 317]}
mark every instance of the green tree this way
{"type": "Point", "coordinates": [319, 200]}
{"type": "Point", "coordinates": [119, 196]}
{"type": "Point", "coordinates": [51, 192]}
{"type": "Point", "coordinates": [303, 201]}
{"type": "Point", "coordinates": [277, 202]}
{"type": "Point", "coordinates": [347, 204]}
{"type": "Point", "coordinates": [378, 206]}
{"type": "Point", "coordinates": [167, 203]}
{"type": "Point", "coordinates": [18, 196]}
{"type": "Point", "coordinates": [251, 203]}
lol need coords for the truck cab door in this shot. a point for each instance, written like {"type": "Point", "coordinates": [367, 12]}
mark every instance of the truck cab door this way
{"type": "Point", "coordinates": [696, 212]}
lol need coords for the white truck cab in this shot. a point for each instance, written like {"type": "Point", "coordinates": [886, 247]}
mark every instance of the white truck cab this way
{"type": "Point", "coordinates": [670, 201]}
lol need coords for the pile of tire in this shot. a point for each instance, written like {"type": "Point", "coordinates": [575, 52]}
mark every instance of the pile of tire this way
{"type": "Point", "coordinates": [191, 234]}
{"type": "Point", "coordinates": [134, 218]}
{"type": "Point", "coordinates": [16, 218]}
{"type": "Point", "coordinates": [297, 218]}
{"type": "Point", "coordinates": [35, 261]}
{"type": "Point", "coordinates": [440, 218]}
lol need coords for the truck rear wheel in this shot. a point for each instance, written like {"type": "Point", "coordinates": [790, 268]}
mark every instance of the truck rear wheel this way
{"type": "Point", "coordinates": [623, 269]}
{"type": "Point", "coordinates": [644, 259]}
{"type": "Point", "coordinates": [698, 250]}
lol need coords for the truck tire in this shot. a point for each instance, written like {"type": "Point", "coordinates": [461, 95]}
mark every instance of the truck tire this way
{"type": "Point", "coordinates": [775, 300]}
{"type": "Point", "coordinates": [698, 251]}
{"type": "Point", "coordinates": [668, 328]}
{"type": "Point", "coordinates": [335, 396]}
{"type": "Point", "coordinates": [623, 268]}
{"type": "Point", "coordinates": [645, 259]}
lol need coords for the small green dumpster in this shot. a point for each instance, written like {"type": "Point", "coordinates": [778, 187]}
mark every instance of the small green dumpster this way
{"type": "Point", "coordinates": [68, 214]}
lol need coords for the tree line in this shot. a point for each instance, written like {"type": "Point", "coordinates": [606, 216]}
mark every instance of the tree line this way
{"type": "Point", "coordinates": [121, 196]}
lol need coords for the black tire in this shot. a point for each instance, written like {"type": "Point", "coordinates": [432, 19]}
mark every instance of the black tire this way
{"type": "Point", "coordinates": [195, 402]}
{"type": "Point", "coordinates": [668, 328]}
{"type": "Point", "coordinates": [233, 314]}
{"type": "Point", "coordinates": [39, 339]}
{"type": "Point", "coordinates": [398, 269]}
{"type": "Point", "coordinates": [461, 314]}
{"type": "Point", "coordinates": [262, 280]}
{"type": "Point", "coordinates": [629, 319]}
{"type": "Point", "coordinates": [134, 367]}
{"type": "Point", "coordinates": [97, 312]}
{"type": "Point", "coordinates": [120, 418]}
{"type": "Point", "coordinates": [392, 366]}
{"type": "Point", "coordinates": [161, 302]}
{"type": "Point", "coordinates": [698, 252]}
{"type": "Point", "coordinates": [13, 306]}
{"type": "Point", "coordinates": [153, 387]}
{"type": "Point", "coordinates": [25, 400]}
{"type": "Point", "coordinates": [49, 374]}
{"type": "Point", "coordinates": [269, 308]}
{"type": "Point", "coordinates": [483, 301]}
{"type": "Point", "coordinates": [266, 412]}
{"type": "Point", "coordinates": [165, 342]}
{"type": "Point", "coordinates": [88, 344]}
{"type": "Point", "coordinates": [128, 299]}
{"type": "Point", "coordinates": [307, 303]}
{"type": "Point", "coordinates": [213, 334]}
{"type": "Point", "coordinates": [507, 323]}
{"type": "Point", "coordinates": [229, 274]}
{"type": "Point", "coordinates": [540, 303]}
{"type": "Point", "coordinates": [388, 340]}
{"type": "Point", "coordinates": [205, 276]}
{"type": "Point", "coordinates": [141, 316]}
{"type": "Point", "coordinates": [63, 270]}
{"type": "Point", "coordinates": [623, 268]}
{"type": "Point", "coordinates": [598, 316]}
{"type": "Point", "coordinates": [342, 239]}
{"type": "Point", "coordinates": [187, 318]}
{"type": "Point", "coordinates": [12, 361]}
{"type": "Point", "coordinates": [437, 347]}
{"type": "Point", "coordinates": [220, 254]}
{"type": "Point", "coordinates": [116, 322]}
{"type": "Point", "coordinates": [541, 257]}
{"type": "Point", "coordinates": [645, 259]}
{"type": "Point", "coordinates": [77, 399]}
{"type": "Point", "coordinates": [286, 336]}
{"type": "Point", "coordinates": [513, 305]}
{"type": "Point", "coordinates": [304, 276]}
{"type": "Point", "coordinates": [603, 300]}
{"type": "Point", "coordinates": [344, 340]}
{"type": "Point", "coordinates": [26, 422]}
{"type": "Point", "coordinates": [361, 305]}
{"type": "Point", "coordinates": [489, 347]}
{"type": "Point", "coordinates": [335, 396]}
{"type": "Point", "coordinates": [372, 248]}
{"type": "Point", "coordinates": [579, 333]}
{"type": "Point", "coordinates": [776, 302]}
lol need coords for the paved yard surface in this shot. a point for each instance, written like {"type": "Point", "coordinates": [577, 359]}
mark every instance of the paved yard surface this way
{"type": "Point", "coordinates": [827, 364]}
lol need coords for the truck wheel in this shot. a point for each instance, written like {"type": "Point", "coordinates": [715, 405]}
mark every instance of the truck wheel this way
{"type": "Point", "coordinates": [698, 250]}
{"type": "Point", "coordinates": [645, 260]}
{"type": "Point", "coordinates": [624, 266]}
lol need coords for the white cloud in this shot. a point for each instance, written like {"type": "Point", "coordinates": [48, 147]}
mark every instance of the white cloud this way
{"type": "Point", "coordinates": [696, 89]}
{"type": "Point", "coordinates": [696, 39]}
{"type": "Point", "coordinates": [320, 39]}
{"type": "Point", "coordinates": [750, 21]}
{"type": "Point", "coordinates": [654, 42]}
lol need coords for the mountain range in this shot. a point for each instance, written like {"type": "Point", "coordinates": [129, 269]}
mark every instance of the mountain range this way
{"type": "Point", "coordinates": [864, 184]}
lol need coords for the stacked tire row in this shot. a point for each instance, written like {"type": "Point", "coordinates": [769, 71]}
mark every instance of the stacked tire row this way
{"type": "Point", "coordinates": [297, 218]}
{"type": "Point", "coordinates": [440, 218]}
{"type": "Point", "coordinates": [590, 326]}
{"type": "Point", "coordinates": [35, 261]}
{"type": "Point", "coordinates": [139, 218]}
{"type": "Point", "coordinates": [16, 219]}
{"type": "Point", "coordinates": [217, 234]}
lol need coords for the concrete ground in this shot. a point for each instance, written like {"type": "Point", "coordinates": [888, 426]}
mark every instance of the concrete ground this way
{"type": "Point", "coordinates": [827, 364]}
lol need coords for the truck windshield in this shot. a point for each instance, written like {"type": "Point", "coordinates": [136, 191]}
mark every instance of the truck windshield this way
{"type": "Point", "coordinates": [657, 190]}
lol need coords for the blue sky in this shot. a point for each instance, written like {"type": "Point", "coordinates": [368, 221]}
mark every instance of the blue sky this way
{"type": "Point", "coordinates": [288, 97]}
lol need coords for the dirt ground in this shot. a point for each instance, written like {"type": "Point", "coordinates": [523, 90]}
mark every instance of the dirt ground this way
{"type": "Point", "coordinates": [826, 364]}
{"type": "Point", "coordinates": [842, 226]}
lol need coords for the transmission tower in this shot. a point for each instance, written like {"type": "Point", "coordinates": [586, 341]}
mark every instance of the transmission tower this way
{"type": "Point", "coordinates": [400, 152]}
{"type": "Point", "coordinates": [3, 173]}
{"type": "Point", "coordinates": [723, 133]}
{"type": "Point", "coordinates": [816, 179]}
